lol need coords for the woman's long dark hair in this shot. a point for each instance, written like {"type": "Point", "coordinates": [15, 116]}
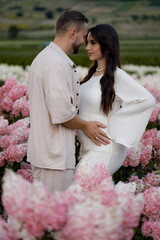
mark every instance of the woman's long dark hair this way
{"type": "Point", "coordinates": [107, 37]}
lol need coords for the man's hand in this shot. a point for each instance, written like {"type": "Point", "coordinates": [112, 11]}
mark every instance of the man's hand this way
{"type": "Point", "coordinates": [90, 128]}
{"type": "Point", "coordinates": [93, 131]}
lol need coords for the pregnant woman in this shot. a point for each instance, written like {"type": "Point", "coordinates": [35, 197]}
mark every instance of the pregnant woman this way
{"type": "Point", "coordinates": [109, 95]}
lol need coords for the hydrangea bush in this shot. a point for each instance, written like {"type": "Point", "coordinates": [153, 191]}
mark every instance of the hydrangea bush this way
{"type": "Point", "coordinates": [95, 206]}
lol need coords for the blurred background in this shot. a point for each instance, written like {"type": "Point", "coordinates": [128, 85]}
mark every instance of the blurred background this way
{"type": "Point", "coordinates": [27, 26]}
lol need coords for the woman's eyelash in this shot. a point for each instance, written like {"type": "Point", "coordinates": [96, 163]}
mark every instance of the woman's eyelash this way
{"type": "Point", "coordinates": [92, 42]}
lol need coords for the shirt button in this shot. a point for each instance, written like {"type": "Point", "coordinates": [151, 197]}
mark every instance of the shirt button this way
{"type": "Point", "coordinates": [120, 106]}
{"type": "Point", "coordinates": [77, 94]}
{"type": "Point", "coordinates": [76, 106]}
{"type": "Point", "coordinates": [77, 82]}
{"type": "Point", "coordinates": [75, 71]}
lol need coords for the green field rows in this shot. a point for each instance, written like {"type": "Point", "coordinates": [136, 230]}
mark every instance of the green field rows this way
{"type": "Point", "coordinates": [133, 51]}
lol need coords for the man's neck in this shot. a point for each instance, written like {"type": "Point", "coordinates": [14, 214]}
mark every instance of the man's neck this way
{"type": "Point", "coordinates": [63, 44]}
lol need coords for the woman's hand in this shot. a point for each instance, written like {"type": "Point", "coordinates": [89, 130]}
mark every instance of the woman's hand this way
{"type": "Point", "coordinates": [92, 130]}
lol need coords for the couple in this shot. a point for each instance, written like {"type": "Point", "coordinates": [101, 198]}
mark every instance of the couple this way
{"type": "Point", "coordinates": [106, 126]}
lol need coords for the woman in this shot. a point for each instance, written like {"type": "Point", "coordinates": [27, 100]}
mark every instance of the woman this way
{"type": "Point", "coordinates": [109, 95]}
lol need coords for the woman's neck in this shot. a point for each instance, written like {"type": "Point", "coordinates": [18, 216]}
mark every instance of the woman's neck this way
{"type": "Point", "coordinates": [101, 66]}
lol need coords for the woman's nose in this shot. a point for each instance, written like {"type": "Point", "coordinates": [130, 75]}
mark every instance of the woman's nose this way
{"type": "Point", "coordinates": [87, 47]}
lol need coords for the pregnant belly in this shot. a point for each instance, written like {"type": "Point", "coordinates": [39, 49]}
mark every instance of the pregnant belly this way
{"type": "Point", "coordinates": [86, 143]}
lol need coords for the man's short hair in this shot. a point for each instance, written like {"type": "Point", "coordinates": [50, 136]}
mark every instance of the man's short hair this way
{"type": "Point", "coordinates": [68, 19]}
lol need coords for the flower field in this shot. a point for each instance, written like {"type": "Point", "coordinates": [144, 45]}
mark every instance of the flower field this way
{"type": "Point", "coordinates": [96, 206]}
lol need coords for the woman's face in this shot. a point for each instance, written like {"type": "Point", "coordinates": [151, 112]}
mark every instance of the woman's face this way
{"type": "Point", "coordinates": [93, 48]}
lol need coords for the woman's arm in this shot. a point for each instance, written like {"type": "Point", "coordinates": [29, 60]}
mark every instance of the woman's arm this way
{"type": "Point", "coordinates": [127, 124]}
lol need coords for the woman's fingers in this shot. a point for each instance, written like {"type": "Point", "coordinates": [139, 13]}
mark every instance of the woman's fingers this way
{"type": "Point", "coordinates": [102, 139]}
{"type": "Point", "coordinates": [101, 125]}
{"type": "Point", "coordinates": [95, 141]}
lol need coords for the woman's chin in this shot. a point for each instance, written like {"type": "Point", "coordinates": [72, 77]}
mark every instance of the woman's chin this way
{"type": "Point", "coordinates": [91, 58]}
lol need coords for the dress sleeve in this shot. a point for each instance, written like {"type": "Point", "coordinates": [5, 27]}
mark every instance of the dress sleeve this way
{"type": "Point", "coordinates": [127, 122]}
{"type": "Point", "coordinates": [57, 94]}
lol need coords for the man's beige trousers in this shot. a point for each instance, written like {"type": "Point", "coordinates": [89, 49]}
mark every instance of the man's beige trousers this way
{"type": "Point", "coordinates": [54, 180]}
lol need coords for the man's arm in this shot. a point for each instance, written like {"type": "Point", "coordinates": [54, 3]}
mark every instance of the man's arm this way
{"type": "Point", "coordinates": [90, 128]}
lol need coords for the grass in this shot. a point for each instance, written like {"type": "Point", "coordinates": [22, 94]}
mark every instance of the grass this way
{"type": "Point", "coordinates": [133, 51]}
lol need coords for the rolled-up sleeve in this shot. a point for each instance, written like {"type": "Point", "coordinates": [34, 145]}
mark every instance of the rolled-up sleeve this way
{"type": "Point", "coordinates": [57, 94]}
{"type": "Point", "coordinates": [128, 122]}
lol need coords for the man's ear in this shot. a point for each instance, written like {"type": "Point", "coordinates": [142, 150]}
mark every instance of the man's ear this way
{"type": "Point", "coordinates": [73, 33]}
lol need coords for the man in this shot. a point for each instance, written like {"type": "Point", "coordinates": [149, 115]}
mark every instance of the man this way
{"type": "Point", "coordinates": [54, 98]}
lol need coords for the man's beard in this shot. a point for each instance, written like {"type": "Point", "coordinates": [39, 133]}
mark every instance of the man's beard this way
{"type": "Point", "coordinates": [75, 48]}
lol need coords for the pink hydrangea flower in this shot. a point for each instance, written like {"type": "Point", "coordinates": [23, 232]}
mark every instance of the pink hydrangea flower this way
{"type": "Point", "coordinates": [132, 207]}
{"type": "Point", "coordinates": [74, 194]}
{"type": "Point", "coordinates": [155, 113]}
{"type": "Point", "coordinates": [9, 84]}
{"type": "Point", "coordinates": [37, 208]}
{"type": "Point", "coordinates": [21, 106]}
{"type": "Point", "coordinates": [156, 141]}
{"type": "Point", "coordinates": [149, 134]}
{"type": "Point", "coordinates": [19, 229]}
{"type": "Point", "coordinates": [150, 143]}
{"type": "Point", "coordinates": [26, 174]}
{"type": "Point", "coordinates": [7, 104]}
{"type": "Point", "coordinates": [7, 141]}
{"type": "Point", "coordinates": [145, 149]}
{"type": "Point", "coordinates": [139, 183]}
{"type": "Point", "coordinates": [6, 231]}
{"type": "Point", "coordinates": [18, 133]}
{"type": "Point", "coordinates": [25, 165]}
{"type": "Point", "coordinates": [114, 212]}
{"type": "Point", "coordinates": [21, 134]}
{"type": "Point", "coordinates": [154, 91]}
{"type": "Point", "coordinates": [109, 196]}
{"type": "Point", "coordinates": [14, 98]}
{"type": "Point", "coordinates": [90, 220]}
{"type": "Point", "coordinates": [132, 158]}
{"type": "Point", "coordinates": [15, 153]}
{"type": "Point", "coordinates": [3, 126]}
{"type": "Point", "coordinates": [152, 203]}
{"type": "Point", "coordinates": [151, 179]}
{"type": "Point", "coordinates": [17, 92]}
{"type": "Point", "coordinates": [90, 176]}
{"type": "Point", "coordinates": [23, 123]}
{"type": "Point", "coordinates": [101, 206]}
{"type": "Point", "coordinates": [125, 188]}
{"type": "Point", "coordinates": [151, 229]}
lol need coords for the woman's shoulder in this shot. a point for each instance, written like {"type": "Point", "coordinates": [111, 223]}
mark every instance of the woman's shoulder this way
{"type": "Point", "coordinates": [120, 72]}
{"type": "Point", "coordinates": [120, 76]}
{"type": "Point", "coordinates": [123, 81]}
{"type": "Point", "coordinates": [126, 86]}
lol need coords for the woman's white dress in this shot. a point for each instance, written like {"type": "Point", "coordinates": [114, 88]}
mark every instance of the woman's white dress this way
{"type": "Point", "coordinates": [125, 123]}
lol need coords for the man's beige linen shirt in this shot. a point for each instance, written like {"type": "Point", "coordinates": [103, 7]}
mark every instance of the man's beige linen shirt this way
{"type": "Point", "coordinates": [54, 99]}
